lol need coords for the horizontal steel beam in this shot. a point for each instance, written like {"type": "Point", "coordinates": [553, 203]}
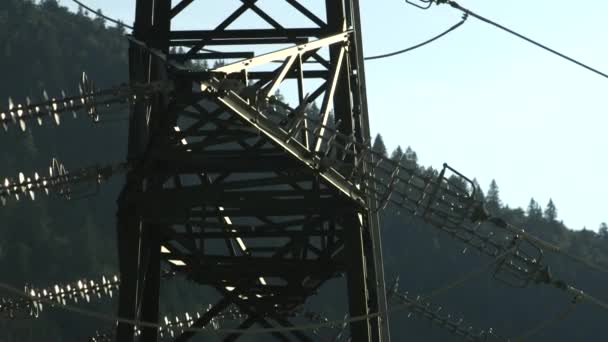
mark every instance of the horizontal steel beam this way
{"type": "Point", "coordinates": [241, 234]}
{"type": "Point", "coordinates": [211, 55]}
{"type": "Point", "coordinates": [246, 33]}
{"type": "Point", "coordinates": [183, 162]}
{"type": "Point", "coordinates": [241, 41]}
{"type": "Point", "coordinates": [264, 75]}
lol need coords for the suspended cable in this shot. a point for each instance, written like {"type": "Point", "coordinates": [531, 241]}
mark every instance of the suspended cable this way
{"type": "Point", "coordinates": [547, 245]}
{"type": "Point", "coordinates": [395, 53]}
{"type": "Point", "coordinates": [117, 22]}
{"type": "Point", "coordinates": [556, 249]}
{"type": "Point", "coordinates": [114, 319]}
{"type": "Point", "coordinates": [386, 55]}
{"type": "Point", "coordinates": [457, 6]}
{"type": "Point", "coordinates": [560, 316]}
{"type": "Point", "coordinates": [522, 266]}
{"type": "Point", "coordinates": [385, 166]}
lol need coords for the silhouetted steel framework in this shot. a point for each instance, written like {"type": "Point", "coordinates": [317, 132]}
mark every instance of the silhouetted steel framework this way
{"type": "Point", "coordinates": [218, 193]}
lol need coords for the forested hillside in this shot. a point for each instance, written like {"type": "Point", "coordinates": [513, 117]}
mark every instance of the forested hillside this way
{"type": "Point", "coordinates": [45, 47]}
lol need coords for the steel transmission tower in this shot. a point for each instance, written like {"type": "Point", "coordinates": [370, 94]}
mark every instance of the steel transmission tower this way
{"type": "Point", "coordinates": [228, 185]}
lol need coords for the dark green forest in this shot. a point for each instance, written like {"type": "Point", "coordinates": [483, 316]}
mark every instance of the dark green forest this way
{"type": "Point", "coordinates": [45, 47]}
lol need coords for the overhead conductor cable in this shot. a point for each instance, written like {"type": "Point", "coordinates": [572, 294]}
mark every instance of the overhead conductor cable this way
{"type": "Point", "coordinates": [457, 6]}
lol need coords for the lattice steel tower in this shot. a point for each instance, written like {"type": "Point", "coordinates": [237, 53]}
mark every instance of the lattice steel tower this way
{"type": "Point", "coordinates": [234, 188]}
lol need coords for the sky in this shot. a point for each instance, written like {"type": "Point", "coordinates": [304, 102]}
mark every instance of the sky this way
{"type": "Point", "coordinates": [487, 103]}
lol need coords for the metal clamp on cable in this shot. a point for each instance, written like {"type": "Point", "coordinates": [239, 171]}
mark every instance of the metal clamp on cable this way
{"type": "Point", "coordinates": [427, 4]}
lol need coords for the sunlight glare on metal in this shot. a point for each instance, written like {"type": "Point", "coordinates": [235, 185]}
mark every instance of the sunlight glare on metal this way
{"type": "Point", "coordinates": [241, 243]}
{"type": "Point", "coordinates": [55, 114]}
{"type": "Point", "coordinates": [177, 262]}
{"type": "Point", "coordinates": [183, 141]}
{"type": "Point", "coordinates": [20, 118]}
{"type": "Point", "coordinates": [22, 182]}
{"type": "Point", "coordinates": [3, 118]}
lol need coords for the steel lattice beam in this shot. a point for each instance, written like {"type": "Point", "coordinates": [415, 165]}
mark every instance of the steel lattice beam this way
{"type": "Point", "coordinates": [218, 192]}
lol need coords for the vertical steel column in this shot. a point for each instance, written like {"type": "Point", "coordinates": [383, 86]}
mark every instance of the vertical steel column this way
{"type": "Point", "coordinates": [367, 293]}
{"type": "Point", "coordinates": [374, 222]}
{"type": "Point", "coordinates": [128, 224]}
{"type": "Point", "coordinates": [159, 39]}
{"type": "Point", "coordinates": [139, 243]}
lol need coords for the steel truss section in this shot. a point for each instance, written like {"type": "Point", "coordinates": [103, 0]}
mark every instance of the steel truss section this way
{"type": "Point", "coordinates": [232, 192]}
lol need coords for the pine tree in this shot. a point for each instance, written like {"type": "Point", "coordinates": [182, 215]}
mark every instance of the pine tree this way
{"type": "Point", "coordinates": [49, 4]}
{"type": "Point", "coordinates": [313, 111]}
{"type": "Point", "coordinates": [493, 202]}
{"type": "Point", "coordinates": [411, 155]}
{"type": "Point", "coordinates": [379, 146]}
{"type": "Point", "coordinates": [397, 154]}
{"type": "Point", "coordinates": [534, 210]}
{"type": "Point", "coordinates": [121, 27]}
{"type": "Point", "coordinates": [551, 211]}
{"type": "Point", "coordinates": [203, 65]}
{"type": "Point", "coordinates": [478, 190]}
{"type": "Point", "coordinates": [99, 19]}
{"type": "Point", "coordinates": [219, 63]}
{"type": "Point", "coordinates": [603, 231]}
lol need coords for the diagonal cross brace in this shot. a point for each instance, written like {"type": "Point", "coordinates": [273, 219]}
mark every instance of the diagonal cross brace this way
{"type": "Point", "coordinates": [284, 53]}
{"type": "Point", "coordinates": [279, 136]}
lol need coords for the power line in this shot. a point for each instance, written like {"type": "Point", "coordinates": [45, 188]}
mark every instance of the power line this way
{"type": "Point", "coordinates": [117, 22]}
{"type": "Point", "coordinates": [386, 55]}
{"type": "Point", "coordinates": [454, 4]}
{"type": "Point", "coordinates": [501, 223]}
{"type": "Point", "coordinates": [553, 248]}
{"type": "Point", "coordinates": [560, 316]}
{"type": "Point", "coordinates": [113, 319]}
{"type": "Point", "coordinates": [457, 6]}
{"type": "Point", "coordinates": [398, 52]}
{"type": "Point", "coordinates": [464, 18]}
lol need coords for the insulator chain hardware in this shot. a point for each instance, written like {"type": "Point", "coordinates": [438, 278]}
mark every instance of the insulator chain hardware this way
{"type": "Point", "coordinates": [175, 326]}
{"type": "Point", "coordinates": [90, 100]}
{"type": "Point", "coordinates": [419, 307]}
{"type": "Point", "coordinates": [58, 181]}
{"type": "Point", "coordinates": [340, 331]}
{"type": "Point", "coordinates": [82, 290]}
{"type": "Point", "coordinates": [447, 200]}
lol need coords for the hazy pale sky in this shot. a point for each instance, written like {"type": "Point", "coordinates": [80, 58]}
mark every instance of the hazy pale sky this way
{"type": "Point", "coordinates": [486, 102]}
